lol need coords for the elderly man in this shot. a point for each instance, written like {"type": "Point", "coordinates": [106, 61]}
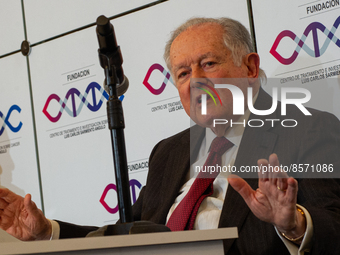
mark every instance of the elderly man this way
{"type": "Point", "coordinates": [274, 215]}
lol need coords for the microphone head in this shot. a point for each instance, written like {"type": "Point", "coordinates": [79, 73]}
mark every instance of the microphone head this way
{"type": "Point", "coordinates": [103, 25]}
{"type": "Point", "coordinates": [110, 54]}
{"type": "Point", "coordinates": [121, 88]}
{"type": "Point", "coordinates": [106, 36]}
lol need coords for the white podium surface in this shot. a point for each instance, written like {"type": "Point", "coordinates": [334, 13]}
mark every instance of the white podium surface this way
{"type": "Point", "coordinates": [184, 242]}
{"type": "Point", "coordinates": [6, 238]}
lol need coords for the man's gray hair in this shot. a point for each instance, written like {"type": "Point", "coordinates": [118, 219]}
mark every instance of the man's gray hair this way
{"type": "Point", "coordinates": [236, 38]}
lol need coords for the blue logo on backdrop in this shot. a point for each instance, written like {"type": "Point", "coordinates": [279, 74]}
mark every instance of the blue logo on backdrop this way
{"type": "Point", "coordinates": [7, 122]}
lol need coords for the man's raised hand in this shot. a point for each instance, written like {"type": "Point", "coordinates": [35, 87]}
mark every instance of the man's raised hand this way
{"type": "Point", "coordinates": [21, 218]}
{"type": "Point", "coordinates": [275, 199]}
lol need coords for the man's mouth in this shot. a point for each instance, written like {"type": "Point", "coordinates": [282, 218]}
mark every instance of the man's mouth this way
{"type": "Point", "coordinates": [199, 99]}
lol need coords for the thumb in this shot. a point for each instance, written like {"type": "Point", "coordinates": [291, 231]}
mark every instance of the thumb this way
{"type": "Point", "coordinates": [29, 205]}
{"type": "Point", "coordinates": [242, 187]}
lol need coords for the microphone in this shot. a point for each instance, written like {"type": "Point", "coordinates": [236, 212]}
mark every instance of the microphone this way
{"type": "Point", "coordinates": [110, 55]}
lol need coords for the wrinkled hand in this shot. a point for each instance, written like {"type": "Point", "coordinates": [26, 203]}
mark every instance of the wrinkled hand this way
{"type": "Point", "coordinates": [275, 199]}
{"type": "Point", "coordinates": [21, 218]}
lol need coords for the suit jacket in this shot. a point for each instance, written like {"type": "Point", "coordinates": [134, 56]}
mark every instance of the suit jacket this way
{"type": "Point", "coordinates": [315, 140]}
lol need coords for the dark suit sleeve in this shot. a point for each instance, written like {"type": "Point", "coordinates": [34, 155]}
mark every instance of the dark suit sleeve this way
{"type": "Point", "coordinates": [322, 200]}
{"type": "Point", "coordinates": [321, 196]}
{"type": "Point", "coordinates": [68, 230]}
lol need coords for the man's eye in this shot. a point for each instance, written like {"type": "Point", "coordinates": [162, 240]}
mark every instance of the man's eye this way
{"type": "Point", "coordinates": [182, 74]}
{"type": "Point", "coordinates": [209, 64]}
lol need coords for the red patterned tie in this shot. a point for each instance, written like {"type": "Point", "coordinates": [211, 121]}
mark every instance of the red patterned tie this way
{"type": "Point", "coordinates": [185, 213]}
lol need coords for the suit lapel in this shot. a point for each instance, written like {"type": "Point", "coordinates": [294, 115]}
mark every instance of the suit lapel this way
{"type": "Point", "coordinates": [179, 158]}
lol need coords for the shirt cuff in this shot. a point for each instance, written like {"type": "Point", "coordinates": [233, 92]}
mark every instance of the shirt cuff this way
{"type": "Point", "coordinates": [307, 239]}
{"type": "Point", "coordinates": [55, 230]}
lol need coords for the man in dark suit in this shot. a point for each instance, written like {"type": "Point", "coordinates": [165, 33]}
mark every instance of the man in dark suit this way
{"type": "Point", "coordinates": [273, 214]}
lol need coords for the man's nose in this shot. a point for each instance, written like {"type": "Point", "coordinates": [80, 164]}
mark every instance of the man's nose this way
{"type": "Point", "coordinates": [198, 72]}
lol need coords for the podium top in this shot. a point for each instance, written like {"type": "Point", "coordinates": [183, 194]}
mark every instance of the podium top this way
{"type": "Point", "coordinates": [92, 243]}
{"type": "Point", "coordinates": [7, 238]}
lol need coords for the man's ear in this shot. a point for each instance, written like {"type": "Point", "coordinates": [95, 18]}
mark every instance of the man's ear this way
{"type": "Point", "coordinates": [252, 61]}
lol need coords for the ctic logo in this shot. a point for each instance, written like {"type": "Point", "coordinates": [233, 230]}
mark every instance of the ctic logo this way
{"type": "Point", "coordinates": [7, 122]}
{"type": "Point", "coordinates": [317, 51]}
{"type": "Point", "coordinates": [74, 112]}
{"type": "Point", "coordinates": [239, 101]}
{"type": "Point", "coordinates": [133, 183]}
{"type": "Point", "coordinates": [166, 79]}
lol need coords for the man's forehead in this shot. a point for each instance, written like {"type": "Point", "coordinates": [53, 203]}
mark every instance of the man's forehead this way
{"type": "Point", "coordinates": [185, 62]}
{"type": "Point", "coordinates": [196, 43]}
{"type": "Point", "coordinates": [197, 36]}
{"type": "Point", "coordinates": [200, 31]}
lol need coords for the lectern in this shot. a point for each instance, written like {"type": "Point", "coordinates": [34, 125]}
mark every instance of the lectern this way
{"type": "Point", "coordinates": [193, 242]}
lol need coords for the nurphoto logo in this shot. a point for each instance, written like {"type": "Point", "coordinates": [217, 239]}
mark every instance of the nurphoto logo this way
{"type": "Point", "coordinates": [289, 96]}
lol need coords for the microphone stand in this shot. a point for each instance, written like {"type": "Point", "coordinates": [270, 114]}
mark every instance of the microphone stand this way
{"type": "Point", "coordinates": [116, 124]}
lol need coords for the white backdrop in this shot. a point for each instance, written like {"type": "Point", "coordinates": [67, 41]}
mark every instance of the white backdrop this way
{"type": "Point", "coordinates": [46, 19]}
{"type": "Point", "coordinates": [298, 41]}
{"type": "Point", "coordinates": [18, 163]}
{"type": "Point", "coordinates": [11, 26]}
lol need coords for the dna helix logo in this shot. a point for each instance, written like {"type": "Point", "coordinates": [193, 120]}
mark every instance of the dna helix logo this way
{"type": "Point", "coordinates": [70, 95]}
{"type": "Point", "coordinates": [133, 184]}
{"type": "Point", "coordinates": [166, 79]}
{"type": "Point", "coordinates": [7, 122]}
{"type": "Point", "coordinates": [311, 28]}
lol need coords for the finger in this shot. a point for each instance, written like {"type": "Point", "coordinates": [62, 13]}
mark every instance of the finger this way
{"type": "Point", "coordinates": [263, 169]}
{"type": "Point", "coordinates": [279, 177]}
{"type": "Point", "coordinates": [273, 159]}
{"type": "Point", "coordinates": [242, 187]}
{"type": "Point", "coordinates": [274, 168]}
{"type": "Point", "coordinates": [276, 172]}
{"type": "Point", "coordinates": [282, 184]}
{"type": "Point", "coordinates": [292, 190]}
